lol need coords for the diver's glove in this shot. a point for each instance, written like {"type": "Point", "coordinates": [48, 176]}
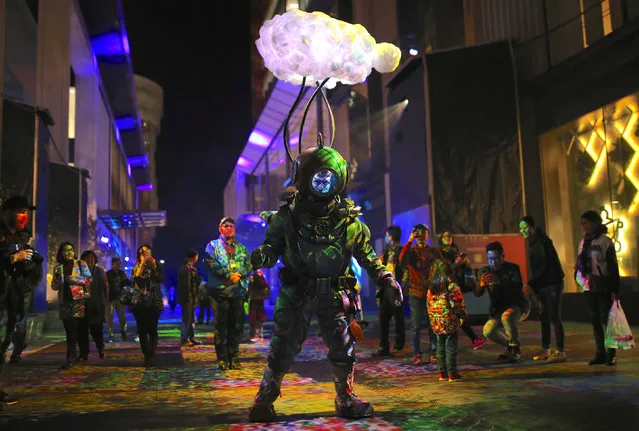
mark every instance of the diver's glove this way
{"type": "Point", "coordinates": [390, 291]}
{"type": "Point", "coordinates": [258, 258]}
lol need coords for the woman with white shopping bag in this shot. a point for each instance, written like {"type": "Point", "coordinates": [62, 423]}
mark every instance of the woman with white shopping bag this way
{"type": "Point", "coordinates": [618, 333]}
{"type": "Point", "coordinates": [597, 273]}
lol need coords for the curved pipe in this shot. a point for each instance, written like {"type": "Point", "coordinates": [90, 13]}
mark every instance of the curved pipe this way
{"type": "Point", "coordinates": [287, 144]}
{"type": "Point", "coordinates": [330, 113]}
{"type": "Point", "coordinates": [308, 106]}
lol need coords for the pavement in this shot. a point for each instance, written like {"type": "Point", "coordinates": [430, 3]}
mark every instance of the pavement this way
{"type": "Point", "coordinates": [187, 391]}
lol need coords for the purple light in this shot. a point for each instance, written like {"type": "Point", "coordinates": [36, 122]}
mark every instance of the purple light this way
{"type": "Point", "coordinates": [139, 161]}
{"type": "Point", "coordinates": [259, 139]}
{"type": "Point", "coordinates": [125, 43]}
{"type": "Point", "coordinates": [126, 123]}
{"type": "Point", "coordinates": [128, 169]}
{"type": "Point", "coordinates": [243, 162]}
{"type": "Point", "coordinates": [253, 218]}
{"type": "Point", "coordinates": [104, 240]}
{"type": "Point", "coordinates": [282, 160]}
{"type": "Point", "coordinates": [295, 140]}
{"type": "Point", "coordinates": [117, 135]}
{"type": "Point", "coordinates": [144, 187]}
{"type": "Point", "coordinates": [112, 43]}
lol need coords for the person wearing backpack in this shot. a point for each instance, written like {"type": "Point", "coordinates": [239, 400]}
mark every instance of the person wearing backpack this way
{"type": "Point", "coordinates": [546, 279]}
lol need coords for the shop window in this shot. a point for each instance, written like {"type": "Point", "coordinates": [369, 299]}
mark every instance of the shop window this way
{"type": "Point", "coordinates": [593, 164]}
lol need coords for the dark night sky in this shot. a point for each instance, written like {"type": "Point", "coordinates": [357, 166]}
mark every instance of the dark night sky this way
{"type": "Point", "coordinates": [199, 52]}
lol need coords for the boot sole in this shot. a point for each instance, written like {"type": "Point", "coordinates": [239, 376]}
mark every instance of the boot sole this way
{"type": "Point", "coordinates": [368, 413]}
{"type": "Point", "coordinates": [262, 414]}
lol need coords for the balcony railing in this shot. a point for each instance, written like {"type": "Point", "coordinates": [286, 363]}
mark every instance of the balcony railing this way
{"type": "Point", "coordinates": [566, 39]}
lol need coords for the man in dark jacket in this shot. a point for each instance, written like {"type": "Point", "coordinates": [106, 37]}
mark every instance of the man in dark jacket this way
{"type": "Point", "coordinates": [96, 307]}
{"type": "Point", "coordinates": [20, 272]}
{"type": "Point", "coordinates": [507, 302]}
{"type": "Point", "coordinates": [187, 294]}
{"type": "Point", "coordinates": [546, 279]}
{"type": "Point", "coordinates": [390, 259]}
{"type": "Point", "coordinates": [118, 281]}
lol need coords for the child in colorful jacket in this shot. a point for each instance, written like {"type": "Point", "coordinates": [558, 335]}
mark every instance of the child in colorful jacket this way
{"type": "Point", "coordinates": [446, 311]}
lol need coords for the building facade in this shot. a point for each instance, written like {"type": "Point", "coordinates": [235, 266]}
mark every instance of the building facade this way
{"type": "Point", "coordinates": [151, 101]}
{"type": "Point", "coordinates": [567, 119]}
{"type": "Point", "coordinates": [68, 77]}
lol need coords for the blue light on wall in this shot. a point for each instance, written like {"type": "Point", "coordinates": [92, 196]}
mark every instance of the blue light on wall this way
{"type": "Point", "coordinates": [117, 135]}
{"type": "Point", "coordinates": [139, 161]}
{"type": "Point", "coordinates": [108, 44]}
{"type": "Point", "coordinates": [144, 187]}
{"type": "Point", "coordinates": [126, 123]}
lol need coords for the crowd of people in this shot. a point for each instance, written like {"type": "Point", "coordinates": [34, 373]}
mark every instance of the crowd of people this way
{"type": "Point", "coordinates": [433, 281]}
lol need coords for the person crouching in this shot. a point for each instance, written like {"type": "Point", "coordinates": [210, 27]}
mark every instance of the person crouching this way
{"type": "Point", "coordinates": [446, 311]}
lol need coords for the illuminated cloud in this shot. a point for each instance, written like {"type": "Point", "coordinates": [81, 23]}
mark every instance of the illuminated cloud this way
{"type": "Point", "coordinates": [298, 44]}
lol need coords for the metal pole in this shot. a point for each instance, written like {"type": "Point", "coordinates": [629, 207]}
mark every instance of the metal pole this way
{"type": "Point", "coordinates": [519, 139]}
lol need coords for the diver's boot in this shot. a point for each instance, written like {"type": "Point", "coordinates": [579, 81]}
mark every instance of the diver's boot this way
{"type": "Point", "coordinates": [262, 409]}
{"type": "Point", "coordinates": [347, 404]}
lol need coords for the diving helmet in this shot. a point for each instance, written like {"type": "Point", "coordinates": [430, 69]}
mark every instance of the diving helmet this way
{"type": "Point", "coordinates": [320, 172]}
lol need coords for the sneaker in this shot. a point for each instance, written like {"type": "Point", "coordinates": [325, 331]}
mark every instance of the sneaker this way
{"type": "Point", "coordinates": [543, 355]}
{"type": "Point", "coordinates": [15, 359]}
{"type": "Point", "coordinates": [195, 342]}
{"type": "Point", "coordinates": [433, 359]}
{"type": "Point", "coordinates": [235, 365]}
{"type": "Point", "coordinates": [505, 355]}
{"type": "Point", "coordinates": [383, 351]}
{"type": "Point", "coordinates": [515, 355]}
{"type": "Point", "coordinates": [398, 347]}
{"type": "Point", "coordinates": [558, 357]}
{"type": "Point", "coordinates": [102, 355]}
{"type": "Point", "coordinates": [454, 377]}
{"type": "Point", "coordinates": [612, 360]}
{"type": "Point", "coordinates": [6, 399]}
{"type": "Point", "coordinates": [223, 366]}
{"type": "Point", "coordinates": [443, 377]}
{"type": "Point", "coordinates": [478, 343]}
{"type": "Point", "coordinates": [417, 360]}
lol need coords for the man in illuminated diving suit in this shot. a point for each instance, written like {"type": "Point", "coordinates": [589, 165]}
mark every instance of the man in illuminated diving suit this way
{"type": "Point", "coordinates": [316, 234]}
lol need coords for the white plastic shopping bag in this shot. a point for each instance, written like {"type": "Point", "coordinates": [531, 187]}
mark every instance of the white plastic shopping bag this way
{"type": "Point", "coordinates": [618, 334]}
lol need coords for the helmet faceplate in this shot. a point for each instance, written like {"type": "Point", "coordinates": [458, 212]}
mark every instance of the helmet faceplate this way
{"type": "Point", "coordinates": [321, 172]}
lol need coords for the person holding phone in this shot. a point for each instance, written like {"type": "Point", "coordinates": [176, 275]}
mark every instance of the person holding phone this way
{"type": "Point", "coordinates": [503, 282]}
{"type": "Point", "coordinates": [417, 257]}
{"type": "Point", "coordinates": [147, 302]}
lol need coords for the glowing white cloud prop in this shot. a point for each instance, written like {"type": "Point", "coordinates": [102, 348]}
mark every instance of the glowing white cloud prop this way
{"type": "Point", "coordinates": [298, 44]}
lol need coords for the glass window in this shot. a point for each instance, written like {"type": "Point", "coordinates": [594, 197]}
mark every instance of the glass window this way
{"type": "Point", "coordinates": [592, 163]}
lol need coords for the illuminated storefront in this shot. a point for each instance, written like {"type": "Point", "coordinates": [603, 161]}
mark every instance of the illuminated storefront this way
{"type": "Point", "coordinates": [593, 163]}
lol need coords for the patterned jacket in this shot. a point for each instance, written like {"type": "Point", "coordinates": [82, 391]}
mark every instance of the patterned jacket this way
{"type": "Point", "coordinates": [223, 260]}
{"type": "Point", "coordinates": [80, 276]}
{"type": "Point", "coordinates": [446, 310]}
{"type": "Point", "coordinates": [417, 262]}
{"type": "Point", "coordinates": [601, 274]}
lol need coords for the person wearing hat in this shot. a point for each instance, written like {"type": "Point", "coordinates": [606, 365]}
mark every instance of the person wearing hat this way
{"type": "Point", "coordinates": [187, 295]}
{"type": "Point", "coordinates": [597, 274]}
{"type": "Point", "coordinates": [229, 265]}
{"type": "Point", "coordinates": [21, 267]}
